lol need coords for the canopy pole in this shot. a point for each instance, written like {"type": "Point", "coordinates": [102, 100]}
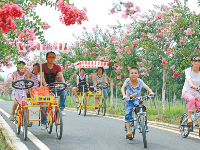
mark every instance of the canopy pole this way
{"type": "Point", "coordinates": [40, 68]}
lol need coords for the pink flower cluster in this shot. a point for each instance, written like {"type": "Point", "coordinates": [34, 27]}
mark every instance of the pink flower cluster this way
{"type": "Point", "coordinates": [44, 25]}
{"type": "Point", "coordinates": [7, 14]}
{"type": "Point", "coordinates": [189, 31]}
{"type": "Point", "coordinates": [176, 73]}
{"type": "Point", "coordinates": [182, 41]}
{"type": "Point", "coordinates": [70, 14]}
{"type": "Point", "coordinates": [169, 51]}
{"type": "Point", "coordinates": [27, 35]}
{"type": "Point", "coordinates": [164, 62]}
{"type": "Point", "coordinates": [145, 74]}
{"type": "Point", "coordinates": [118, 69]}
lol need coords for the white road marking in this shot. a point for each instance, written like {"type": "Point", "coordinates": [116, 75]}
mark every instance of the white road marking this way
{"type": "Point", "coordinates": [194, 135]}
{"type": "Point", "coordinates": [34, 139]}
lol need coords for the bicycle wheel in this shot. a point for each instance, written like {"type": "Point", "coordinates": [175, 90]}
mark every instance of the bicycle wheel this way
{"type": "Point", "coordinates": [49, 123]}
{"type": "Point", "coordinates": [184, 129]}
{"type": "Point", "coordinates": [17, 124]}
{"type": "Point", "coordinates": [143, 131]}
{"type": "Point", "coordinates": [79, 108]}
{"type": "Point", "coordinates": [98, 110]}
{"type": "Point", "coordinates": [104, 107]}
{"type": "Point", "coordinates": [84, 107]}
{"type": "Point", "coordinates": [25, 125]}
{"type": "Point", "coordinates": [59, 124]}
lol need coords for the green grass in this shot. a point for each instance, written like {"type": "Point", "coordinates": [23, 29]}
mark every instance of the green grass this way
{"type": "Point", "coordinates": [3, 144]}
{"type": "Point", "coordinates": [173, 116]}
{"type": "Point", "coordinates": [5, 98]}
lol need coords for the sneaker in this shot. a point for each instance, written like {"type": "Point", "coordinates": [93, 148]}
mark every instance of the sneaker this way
{"type": "Point", "coordinates": [63, 113]}
{"type": "Point", "coordinates": [128, 135]}
{"type": "Point", "coordinates": [43, 127]}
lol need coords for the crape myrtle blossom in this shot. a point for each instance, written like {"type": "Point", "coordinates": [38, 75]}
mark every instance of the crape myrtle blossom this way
{"type": "Point", "coordinates": [7, 14]}
{"type": "Point", "coordinates": [172, 67]}
{"type": "Point", "coordinates": [164, 62]}
{"type": "Point", "coordinates": [176, 73]}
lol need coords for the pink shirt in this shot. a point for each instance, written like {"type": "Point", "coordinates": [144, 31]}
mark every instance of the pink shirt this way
{"type": "Point", "coordinates": [189, 74]}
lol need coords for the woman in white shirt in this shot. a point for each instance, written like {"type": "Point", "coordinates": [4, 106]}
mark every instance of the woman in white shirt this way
{"type": "Point", "coordinates": [192, 82]}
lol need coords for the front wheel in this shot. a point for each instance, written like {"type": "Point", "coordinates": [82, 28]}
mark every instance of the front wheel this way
{"type": "Point", "coordinates": [49, 123]}
{"type": "Point", "coordinates": [98, 110]}
{"type": "Point", "coordinates": [79, 108]}
{"type": "Point", "coordinates": [59, 124]}
{"type": "Point", "coordinates": [104, 108]}
{"type": "Point", "coordinates": [84, 107]}
{"type": "Point", "coordinates": [143, 132]}
{"type": "Point", "coordinates": [25, 125]}
{"type": "Point", "coordinates": [184, 129]}
{"type": "Point", "coordinates": [17, 124]}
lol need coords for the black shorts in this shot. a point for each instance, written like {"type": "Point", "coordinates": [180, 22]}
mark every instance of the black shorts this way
{"type": "Point", "coordinates": [80, 89]}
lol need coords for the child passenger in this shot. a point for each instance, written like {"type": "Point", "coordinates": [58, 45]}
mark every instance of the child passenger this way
{"type": "Point", "coordinates": [34, 76]}
{"type": "Point", "coordinates": [16, 93]}
{"type": "Point", "coordinates": [133, 87]}
{"type": "Point", "coordinates": [192, 82]}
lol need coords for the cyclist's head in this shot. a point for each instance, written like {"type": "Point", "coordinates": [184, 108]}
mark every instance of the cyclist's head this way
{"type": "Point", "coordinates": [36, 67]}
{"type": "Point", "coordinates": [195, 61]}
{"type": "Point", "coordinates": [47, 54]}
{"type": "Point", "coordinates": [82, 70]}
{"type": "Point", "coordinates": [100, 68]}
{"type": "Point", "coordinates": [20, 65]}
{"type": "Point", "coordinates": [134, 68]}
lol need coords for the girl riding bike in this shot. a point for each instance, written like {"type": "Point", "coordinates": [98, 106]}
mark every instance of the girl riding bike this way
{"type": "Point", "coordinates": [192, 79]}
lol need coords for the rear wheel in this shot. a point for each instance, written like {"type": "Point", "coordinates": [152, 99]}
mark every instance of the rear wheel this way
{"type": "Point", "coordinates": [25, 125]}
{"type": "Point", "coordinates": [84, 107]}
{"type": "Point", "coordinates": [17, 124]}
{"type": "Point", "coordinates": [49, 123]}
{"type": "Point", "coordinates": [104, 107]}
{"type": "Point", "coordinates": [143, 132]}
{"type": "Point", "coordinates": [184, 129]}
{"type": "Point", "coordinates": [59, 124]}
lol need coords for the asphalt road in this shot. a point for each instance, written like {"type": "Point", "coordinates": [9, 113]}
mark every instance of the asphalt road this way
{"type": "Point", "coordinates": [92, 132]}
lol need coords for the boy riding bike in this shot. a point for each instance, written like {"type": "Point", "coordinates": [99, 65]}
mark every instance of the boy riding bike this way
{"type": "Point", "coordinates": [134, 86]}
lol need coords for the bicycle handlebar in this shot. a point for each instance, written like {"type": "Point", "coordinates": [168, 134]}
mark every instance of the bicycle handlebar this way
{"type": "Point", "coordinates": [139, 98]}
{"type": "Point", "coordinates": [198, 89]}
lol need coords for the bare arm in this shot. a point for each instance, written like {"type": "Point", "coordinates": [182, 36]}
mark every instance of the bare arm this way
{"type": "Point", "coordinates": [60, 75]}
{"type": "Point", "coordinates": [30, 76]}
{"type": "Point", "coordinates": [95, 81]}
{"type": "Point", "coordinates": [14, 76]}
{"type": "Point", "coordinates": [123, 92]}
{"type": "Point", "coordinates": [105, 79]}
{"type": "Point", "coordinates": [43, 80]}
{"type": "Point", "coordinates": [149, 90]}
{"type": "Point", "coordinates": [192, 84]}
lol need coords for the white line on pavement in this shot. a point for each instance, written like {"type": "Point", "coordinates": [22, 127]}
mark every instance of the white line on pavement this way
{"type": "Point", "coordinates": [34, 139]}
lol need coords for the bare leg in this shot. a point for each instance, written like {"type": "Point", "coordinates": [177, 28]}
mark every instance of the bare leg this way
{"type": "Point", "coordinates": [189, 116]}
{"type": "Point", "coordinates": [96, 101]}
{"type": "Point", "coordinates": [75, 89]}
{"type": "Point", "coordinates": [128, 126]}
{"type": "Point", "coordinates": [14, 108]}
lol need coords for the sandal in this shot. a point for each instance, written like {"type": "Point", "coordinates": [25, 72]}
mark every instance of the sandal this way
{"type": "Point", "coordinates": [30, 124]}
{"type": "Point", "coordinates": [77, 100]}
{"type": "Point", "coordinates": [12, 119]}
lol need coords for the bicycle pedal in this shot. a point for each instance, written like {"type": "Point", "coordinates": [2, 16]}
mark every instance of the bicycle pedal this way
{"type": "Point", "coordinates": [147, 131]}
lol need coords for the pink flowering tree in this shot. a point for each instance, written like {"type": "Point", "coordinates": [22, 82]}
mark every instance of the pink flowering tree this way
{"type": "Point", "coordinates": [170, 32]}
{"type": "Point", "coordinates": [19, 23]}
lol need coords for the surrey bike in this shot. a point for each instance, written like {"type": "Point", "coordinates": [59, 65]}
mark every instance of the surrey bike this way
{"type": "Point", "coordinates": [82, 99]}
{"type": "Point", "coordinates": [21, 118]}
{"type": "Point", "coordinates": [186, 128]}
{"type": "Point", "coordinates": [139, 119]}
{"type": "Point", "coordinates": [102, 101]}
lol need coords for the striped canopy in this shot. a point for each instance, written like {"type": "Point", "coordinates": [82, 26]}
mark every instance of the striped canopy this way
{"type": "Point", "coordinates": [91, 64]}
{"type": "Point", "coordinates": [61, 47]}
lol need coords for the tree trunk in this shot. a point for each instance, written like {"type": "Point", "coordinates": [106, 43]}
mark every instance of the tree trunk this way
{"type": "Point", "coordinates": [116, 95]}
{"type": "Point", "coordinates": [111, 90]}
{"type": "Point", "coordinates": [164, 88]}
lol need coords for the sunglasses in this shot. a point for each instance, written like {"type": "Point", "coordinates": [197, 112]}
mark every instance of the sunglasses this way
{"type": "Point", "coordinates": [196, 60]}
{"type": "Point", "coordinates": [51, 57]}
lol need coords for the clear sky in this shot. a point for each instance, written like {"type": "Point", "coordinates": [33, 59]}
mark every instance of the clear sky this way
{"type": "Point", "coordinates": [97, 12]}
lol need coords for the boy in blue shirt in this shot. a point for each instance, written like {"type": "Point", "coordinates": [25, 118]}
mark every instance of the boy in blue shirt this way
{"type": "Point", "coordinates": [133, 87]}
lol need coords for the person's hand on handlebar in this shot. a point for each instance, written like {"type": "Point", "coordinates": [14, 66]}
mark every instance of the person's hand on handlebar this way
{"type": "Point", "coordinates": [125, 97]}
{"type": "Point", "coordinates": [194, 87]}
{"type": "Point", "coordinates": [152, 93]}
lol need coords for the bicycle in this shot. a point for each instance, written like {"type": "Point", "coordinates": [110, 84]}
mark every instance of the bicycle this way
{"type": "Point", "coordinates": [82, 98]}
{"type": "Point", "coordinates": [186, 128]}
{"type": "Point", "coordinates": [21, 118]}
{"type": "Point", "coordinates": [102, 102]}
{"type": "Point", "coordinates": [139, 119]}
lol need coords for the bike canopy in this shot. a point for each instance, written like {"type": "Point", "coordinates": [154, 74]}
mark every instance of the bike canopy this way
{"type": "Point", "coordinates": [60, 47]}
{"type": "Point", "coordinates": [91, 64]}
